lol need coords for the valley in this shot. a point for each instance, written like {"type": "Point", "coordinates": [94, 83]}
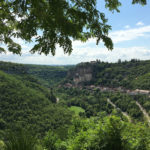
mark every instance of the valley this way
{"type": "Point", "coordinates": [59, 104]}
{"type": "Point", "coordinates": [74, 75]}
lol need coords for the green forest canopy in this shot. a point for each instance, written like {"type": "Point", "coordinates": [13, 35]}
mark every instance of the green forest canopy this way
{"type": "Point", "coordinates": [26, 104]}
{"type": "Point", "coordinates": [59, 21]}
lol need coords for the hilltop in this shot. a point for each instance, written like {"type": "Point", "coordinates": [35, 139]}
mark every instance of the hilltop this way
{"type": "Point", "coordinates": [47, 75]}
{"type": "Point", "coordinates": [134, 74]}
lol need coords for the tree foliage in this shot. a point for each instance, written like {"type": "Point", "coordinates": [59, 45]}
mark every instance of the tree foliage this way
{"type": "Point", "coordinates": [105, 133]}
{"type": "Point", "coordinates": [28, 105]}
{"type": "Point", "coordinates": [132, 74]}
{"type": "Point", "coordinates": [20, 140]}
{"type": "Point", "coordinates": [51, 22]}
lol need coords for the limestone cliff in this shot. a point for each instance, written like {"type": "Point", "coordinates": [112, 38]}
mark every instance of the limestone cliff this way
{"type": "Point", "coordinates": [82, 73]}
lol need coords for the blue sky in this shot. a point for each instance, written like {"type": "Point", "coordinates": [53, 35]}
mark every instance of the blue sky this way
{"type": "Point", "coordinates": [130, 34]}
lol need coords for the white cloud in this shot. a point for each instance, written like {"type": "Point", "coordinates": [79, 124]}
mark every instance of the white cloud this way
{"type": "Point", "coordinates": [140, 23]}
{"type": "Point", "coordinates": [89, 54]}
{"type": "Point", "coordinates": [121, 35]}
{"type": "Point", "coordinates": [130, 34]}
{"type": "Point", "coordinates": [127, 27]}
{"type": "Point", "coordinates": [82, 54]}
{"type": "Point", "coordinates": [88, 51]}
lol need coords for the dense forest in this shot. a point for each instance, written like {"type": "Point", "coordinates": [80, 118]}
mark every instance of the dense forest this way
{"type": "Point", "coordinates": [134, 74]}
{"type": "Point", "coordinates": [27, 104]}
{"type": "Point", "coordinates": [48, 75]}
{"type": "Point", "coordinates": [51, 108]}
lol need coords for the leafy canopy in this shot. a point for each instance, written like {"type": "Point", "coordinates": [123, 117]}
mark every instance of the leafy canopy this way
{"type": "Point", "coordinates": [57, 21]}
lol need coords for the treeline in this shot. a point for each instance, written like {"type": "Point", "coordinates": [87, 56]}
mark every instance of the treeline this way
{"type": "Point", "coordinates": [134, 74]}
{"type": "Point", "coordinates": [46, 75]}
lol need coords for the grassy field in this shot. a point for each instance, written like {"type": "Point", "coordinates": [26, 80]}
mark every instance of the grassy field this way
{"type": "Point", "coordinates": [76, 109]}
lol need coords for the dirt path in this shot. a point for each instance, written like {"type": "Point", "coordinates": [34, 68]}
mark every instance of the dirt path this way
{"type": "Point", "coordinates": [143, 111]}
{"type": "Point", "coordinates": [124, 113]}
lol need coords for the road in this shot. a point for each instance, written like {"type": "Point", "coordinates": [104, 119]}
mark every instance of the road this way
{"type": "Point", "coordinates": [124, 113]}
{"type": "Point", "coordinates": [144, 111]}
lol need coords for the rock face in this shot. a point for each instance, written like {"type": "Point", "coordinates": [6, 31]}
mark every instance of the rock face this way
{"type": "Point", "coordinates": [81, 74]}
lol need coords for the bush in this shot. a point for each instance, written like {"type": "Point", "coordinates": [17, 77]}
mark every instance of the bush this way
{"type": "Point", "coordinates": [20, 140]}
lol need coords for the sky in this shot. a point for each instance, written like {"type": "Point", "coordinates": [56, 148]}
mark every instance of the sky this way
{"type": "Point", "coordinates": [130, 34]}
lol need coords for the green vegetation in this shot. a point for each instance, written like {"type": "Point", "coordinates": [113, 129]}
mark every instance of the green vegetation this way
{"type": "Point", "coordinates": [134, 74]}
{"type": "Point", "coordinates": [59, 23]}
{"type": "Point", "coordinates": [95, 102]}
{"type": "Point", "coordinates": [77, 110]}
{"type": "Point", "coordinates": [48, 75]}
{"type": "Point", "coordinates": [31, 118]}
{"type": "Point", "coordinates": [27, 104]}
{"type": "Point", "coordinates": [108, 133]}
{"type": "Point", "coordinates": [2, 145]}
{"type": "Point", "coordinates": [45, 75]}
{"type": "Point", "coordinates": [104, 133]}
{"type": "Point", "coordinates": [21, 140]}
{"type": "Point", "coordinates": [142, 82]}
{"type": "Point", "coordinates": [91, 102]}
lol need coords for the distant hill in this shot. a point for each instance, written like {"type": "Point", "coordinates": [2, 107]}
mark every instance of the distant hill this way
{"type": "Point", "coordinates": [134, 74]}
{"type": "Point", "coordinates": [47, 75]}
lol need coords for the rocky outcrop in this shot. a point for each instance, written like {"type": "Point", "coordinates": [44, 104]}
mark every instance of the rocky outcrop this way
{"type": "Point", "coordinates": [82, 73]}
